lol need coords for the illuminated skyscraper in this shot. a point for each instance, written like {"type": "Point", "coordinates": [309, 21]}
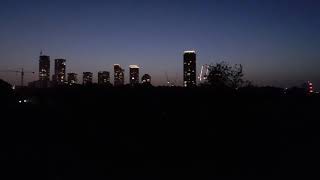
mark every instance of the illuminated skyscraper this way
{"type": "Point", "coordinates": [189, 69]}
{"type": "Point", "coordinates": [134, 74]}
{"type": "Point", "coordinates": [103, 78]}
{"type": "Point", "coordinates": [72, 78]}
{"type": "Point", "coordinates": [59, 76]}
{"type": "Point", "coordinates": [146, 79]}
{"type": "Point", "coordinates": [44, 68]}
{"type": "Point", "coordinates": [118, 75]}
{"type": "Point", "coordinates": [87, 78]}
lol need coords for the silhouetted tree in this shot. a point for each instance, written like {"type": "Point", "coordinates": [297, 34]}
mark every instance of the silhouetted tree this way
{"type": "Point", "coordinates": [223, 75]}
{"type": "Point", "coordinates": [6, 93]}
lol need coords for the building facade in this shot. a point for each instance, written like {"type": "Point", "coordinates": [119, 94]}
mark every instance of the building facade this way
{"type": "Point", "coordinates": [72, 78]}
{"type": "Point", "coordinates": [103, 78]}
{"type": "Point", "coordinates": [59, 76]}
{"type": "Point", "coordinates": [118, 75]}
{"type": "Point", "coordinates": [146, 79]}
{"type": "Point", "coordinates": [44, 68]}
{"type": "Point", "coordinates": [189, 69]}
{"type": "Point", "coordinates": [134, 74]}
{"type": "Point", "coordinates": [87, 78]}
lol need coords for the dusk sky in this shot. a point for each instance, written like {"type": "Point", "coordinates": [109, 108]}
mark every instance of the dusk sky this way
{"type": "Point", "coordinates": [276, 41]}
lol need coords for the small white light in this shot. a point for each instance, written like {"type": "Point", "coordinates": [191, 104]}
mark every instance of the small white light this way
{"type": "Point", "coordinates": [25, 101]}
{"type": "Point", "coordinates": [20, 101]}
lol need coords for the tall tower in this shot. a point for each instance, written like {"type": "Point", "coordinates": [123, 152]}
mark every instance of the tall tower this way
{"type": "Point", "coordinates": [134, 74]}
{"type": "Point", "coordinates": [118, 75]}
{"type": "Point", "coordinates": [59, 71]}
{"type": "Point", "coordinates": [87, 78]}
{"type": "Point", "coordinates": [44, 68]}
{"type": "Point", "coordinates": [103, 78]}
{"type": "Point", "coordinates": [189, 69]}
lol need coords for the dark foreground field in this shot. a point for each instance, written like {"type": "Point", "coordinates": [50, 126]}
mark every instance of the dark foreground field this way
{"type": "Point", "coordinates": [158, 134]}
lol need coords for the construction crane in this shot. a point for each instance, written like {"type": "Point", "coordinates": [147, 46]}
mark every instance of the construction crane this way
{"type": "Point", "coordinates": [204, 73]}
{"type": "Point", "coordinates": [22, 72]}
{"type": "Point", "coordinates": [170, 83]}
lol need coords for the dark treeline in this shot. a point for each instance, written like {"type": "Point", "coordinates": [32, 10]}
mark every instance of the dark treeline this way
{"type": "Point", "coordinates": [156, 133]}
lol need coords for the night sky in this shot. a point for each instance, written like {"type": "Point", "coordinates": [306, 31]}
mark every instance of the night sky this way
{"type": "Point", "coordinates": [277, 41]}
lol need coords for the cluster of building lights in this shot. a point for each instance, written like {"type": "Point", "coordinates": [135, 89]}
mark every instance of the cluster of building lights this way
{"type": "Point", "coordinates": [60, 76]}
{"type": "Point", "coordinates": [189, 73]}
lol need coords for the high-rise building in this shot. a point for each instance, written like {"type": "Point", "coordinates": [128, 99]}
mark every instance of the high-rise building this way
{"type": "Point", "coordinates": [59, 76]}
{"type": "Point", "coordinates": [103, 78]}
{"type": "Point", "coordinates": [72, 78]}
{"type": "Point", "coordinates": [146, 79]}
{"type": "Point", "coordinates": [44, 68]}
{"type": "Point", "coordinates": [118, 75]}
{"type": "Point", "coordinates": [189, 69]}
{"type": "Point", "coordinates": [87, 78]}
{"type": "Point", "coordinates": [134, 74]}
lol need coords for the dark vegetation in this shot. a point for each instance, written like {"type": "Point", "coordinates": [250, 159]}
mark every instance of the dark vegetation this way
{"type": "Point", "coordinates": [6, 94]}
{"type": "Point", "coordinates": [158, 133]}
{"type": "Point", "coordinates": [222, 76]}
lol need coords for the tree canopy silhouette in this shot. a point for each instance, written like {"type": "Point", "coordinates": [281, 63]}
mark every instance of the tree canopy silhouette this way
{"type": "Point", "coordinates": [5, 91]}
{"type": "Point", "coordinates": [223, 75]}
{"type": "Point", "coordinates": [4, 86]}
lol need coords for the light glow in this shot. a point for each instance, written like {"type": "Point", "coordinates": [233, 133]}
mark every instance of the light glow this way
{"type": "Point", "coordinates": [187, 52]}
{"type": "Point", "coordinates": [134, 66]}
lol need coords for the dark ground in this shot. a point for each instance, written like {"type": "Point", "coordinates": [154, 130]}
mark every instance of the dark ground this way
{"type": "Point", "coordinates": [158, 133]}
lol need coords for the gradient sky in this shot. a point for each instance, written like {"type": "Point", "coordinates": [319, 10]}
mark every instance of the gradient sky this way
{"type": "Point", "coordinates": [277, 41]}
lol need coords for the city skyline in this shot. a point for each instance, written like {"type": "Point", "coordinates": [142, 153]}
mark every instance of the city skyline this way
{"type": "Point", "coordinates": [275, 41]}
{"type": "Point", "coordinates": [60, 66]}
{"type": "Point", "coordinates": [61, 77]}
{"type": "Point", "coordinates": [150, 89]}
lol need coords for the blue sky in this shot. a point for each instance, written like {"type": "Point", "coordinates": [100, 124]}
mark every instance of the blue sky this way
{"type": "Point", "coordinates": [277, 41]}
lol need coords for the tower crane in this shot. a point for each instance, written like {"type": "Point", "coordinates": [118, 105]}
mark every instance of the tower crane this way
{"type": "Point", "coordinates": [170, 83]}
{"type": "Point", "coordinates": [22, 72]}
{"type": "Point", "coordinates": [204, 73]}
